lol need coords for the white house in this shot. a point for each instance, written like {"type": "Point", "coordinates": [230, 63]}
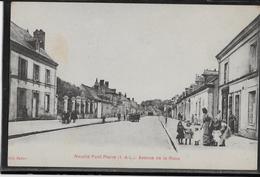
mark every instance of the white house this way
{"type": "Point", "coordinates": [239, 79]}
{"type": "Point", "coordinates": [32, 76]}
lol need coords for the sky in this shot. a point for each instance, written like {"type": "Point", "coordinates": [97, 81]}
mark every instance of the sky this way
{"type": "Point", "coordinates": [149, 51]}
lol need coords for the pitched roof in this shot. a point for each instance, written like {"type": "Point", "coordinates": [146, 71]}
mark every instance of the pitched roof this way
{"type": "Point", "coordinates": [23, 37]}
{"type": "Point", "coordinates": [242, 35]}
{"type": "Point", "coordinates": [89, 92]}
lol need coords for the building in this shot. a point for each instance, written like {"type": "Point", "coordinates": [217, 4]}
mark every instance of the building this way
{"type": "Point", "coordinates": [239, 79]}
{"type": "Point", "coordinates": [202, 94]}
{"type": "Point", "coordinates": [93, 102]}
{"type": "Point", "coordinates": [32, 76]}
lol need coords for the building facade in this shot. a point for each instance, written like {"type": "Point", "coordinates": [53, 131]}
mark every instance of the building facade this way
{"type": "Point", "coordinates": [202, 94]}
{"type": "Point", "coordinates": [239, 79]}
{"type": "Point", "coordinates": [32, 76]}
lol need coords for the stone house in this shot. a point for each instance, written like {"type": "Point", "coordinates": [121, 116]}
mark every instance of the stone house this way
{"type": "Point", "coordinates": [32, 76]}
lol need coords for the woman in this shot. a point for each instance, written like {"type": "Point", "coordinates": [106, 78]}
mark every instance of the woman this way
{"type": "Point", "coordinates": [180, 132]}
{"type": "Point", "coordinates": [207, 133]}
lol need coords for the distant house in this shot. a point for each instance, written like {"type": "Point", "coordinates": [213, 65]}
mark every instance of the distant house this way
{"type": "Point", "coordinates": [238, 80]}
{"type": "Point", "coordinates": [202, 94]}
{"type": "Point", "coordinates": [32, 76]}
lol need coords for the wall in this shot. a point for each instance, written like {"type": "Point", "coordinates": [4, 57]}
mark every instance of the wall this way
{"type": "Point", "coordinates": [30, 86]}
{"type": "Point", "coordinates": [238, 59]}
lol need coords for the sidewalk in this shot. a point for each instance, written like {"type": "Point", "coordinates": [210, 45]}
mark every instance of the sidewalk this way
{"type": "Point", "coordinates": [24, 128]}
{"type": "Point", "coordinates": [232, 142]}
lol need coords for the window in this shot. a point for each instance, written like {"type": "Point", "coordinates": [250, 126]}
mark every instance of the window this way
{"type": "Point", "coordinates": [252, 57]}
{"type": "Point", "coordinates": [47, 76]}
{"type": "Point", "coordinates": [251, 107]}
{"type": "Point", "coordinates": [36, 72]}
{"type": "Point", "coordinates": [226, 73]}
{"type": "Point", "coordinates": [22, 69]}
{"type": "Point", "coordinates": [21, 103]}
{"type": "Point", "coordinates": [47, 103]}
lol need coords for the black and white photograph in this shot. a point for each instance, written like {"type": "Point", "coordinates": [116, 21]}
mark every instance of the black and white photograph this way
{"type": "Point", "coordinates": [138, 86]}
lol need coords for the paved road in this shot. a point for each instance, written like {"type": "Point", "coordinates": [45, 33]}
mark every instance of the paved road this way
{"type": "Point", "coordinates": [111, 138]}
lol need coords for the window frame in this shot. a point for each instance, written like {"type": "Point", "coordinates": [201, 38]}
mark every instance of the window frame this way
{"type": "Point", "coordinates": [47, 76]}
{"type": "Point", "coordinates": [22, 72]}
{"type": "Point", "coordinates": [253, 123]}
{"type": "Point", "coordinates": [253, 57]}
{"type": "Point", "coordinates": [34, 72]}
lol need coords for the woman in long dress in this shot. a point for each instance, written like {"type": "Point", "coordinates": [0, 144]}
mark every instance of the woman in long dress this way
{"type": "Point", "coordinates": [207, 132]}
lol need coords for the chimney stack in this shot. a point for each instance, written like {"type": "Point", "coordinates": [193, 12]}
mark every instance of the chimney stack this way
{"type": "Point", "coordinates": [101, 83]}
{"type": "Point", "coordinates": [39, 36]}
{"type": "Point", "coordinates": [107, 84]}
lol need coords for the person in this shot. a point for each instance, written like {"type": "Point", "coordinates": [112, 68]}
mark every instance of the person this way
{"type": "Point", "coordinates": [197, 136]}
{"type": "Point", "coordinates": [207, 134]}
{"type": "Point", "coordinates": [74, 116]}
{"type": "Point", "coordinates": [67, 117]}
{"type": "Point", "coordinates": [215, 129]}
{"type": "Point", "coordinates": [63, 118]}
{"type": "Point", "coordinates": [232, 119]}
{"type": "Point", "coordinates": [225, 133]}
{"type": "Point", "coordinates": [180, 132]}
{"type": "Point", "coordinates": [118, 116]}
{"type": "Point", "coordinates": [179, 116]}
{"type": "Point", "coordinates": [188, 133]}
{"type": "Point", "coordinates": [219, 115]}
{"type": "Point", "coordinates": [103, 118]}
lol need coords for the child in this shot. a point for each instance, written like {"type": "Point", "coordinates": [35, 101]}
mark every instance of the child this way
{"type": "Point", "coordinates": [197, 136]}
{"type": "Point", "coordinates": [188, 133]}
{"type": "Point", "coordinates": [216, 137]}
{"type": "Point", "coordinates": [180, 131]}
{"type": "Point", "coordinates": [225, 133]}
{"type": "Point", "coordinates": [216, 133]}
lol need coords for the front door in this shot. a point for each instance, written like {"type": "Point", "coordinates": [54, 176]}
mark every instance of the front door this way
{"type": "Point", "coordinates": [237, 113]}
{"type": "Point", "coordinates": [21, 103]}
{"type": "Point", "coordinates": [35, 104]}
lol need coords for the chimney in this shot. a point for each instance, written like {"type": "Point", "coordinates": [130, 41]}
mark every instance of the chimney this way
{"type": "Point", "coordinates": [133, 99]}
{"type": "Point", "coordinates": [107, 84]}
{"type": "Point", "coordinates": [101, 83]}
{"type": "Point", "coordinates": [125, 94]}
{"type": "Point", "coordinates": [120, 94]}
{"type": "Point", "coordinates": [39, 36]}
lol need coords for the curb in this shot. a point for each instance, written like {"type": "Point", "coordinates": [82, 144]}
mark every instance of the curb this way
{"type": "Point", "coordinates": [169, 136]}
{"type": "Point", "coordinates": [55, 129]}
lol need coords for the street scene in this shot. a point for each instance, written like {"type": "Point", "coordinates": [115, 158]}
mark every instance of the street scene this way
{"type": "Point", "coordinates": [121, 92]}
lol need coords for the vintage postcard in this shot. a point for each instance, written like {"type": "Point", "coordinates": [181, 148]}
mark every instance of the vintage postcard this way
{"type": "Point", "coordinates": [136, 86]}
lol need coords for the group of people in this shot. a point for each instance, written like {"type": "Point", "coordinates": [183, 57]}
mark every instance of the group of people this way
{"type": "Point", "coordinates": [68, 117]}
{"type": "Point", "coordinates": [212, 131]}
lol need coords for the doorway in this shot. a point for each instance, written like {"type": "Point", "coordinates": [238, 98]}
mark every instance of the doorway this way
{"type": "Point", "coordinates": [35, 104]}
{"type": "Point", "coordinates": [237, 113]}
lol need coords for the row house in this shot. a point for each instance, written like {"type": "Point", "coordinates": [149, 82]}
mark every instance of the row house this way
{"type": "Point", "coordinates": [32, 76]}
{"type": "Point", "coordinates": [94, 102]}
{"type": "Point", "coordinates": [239, 79]}
{"type": "Point", "coordinates": [202, 94]}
